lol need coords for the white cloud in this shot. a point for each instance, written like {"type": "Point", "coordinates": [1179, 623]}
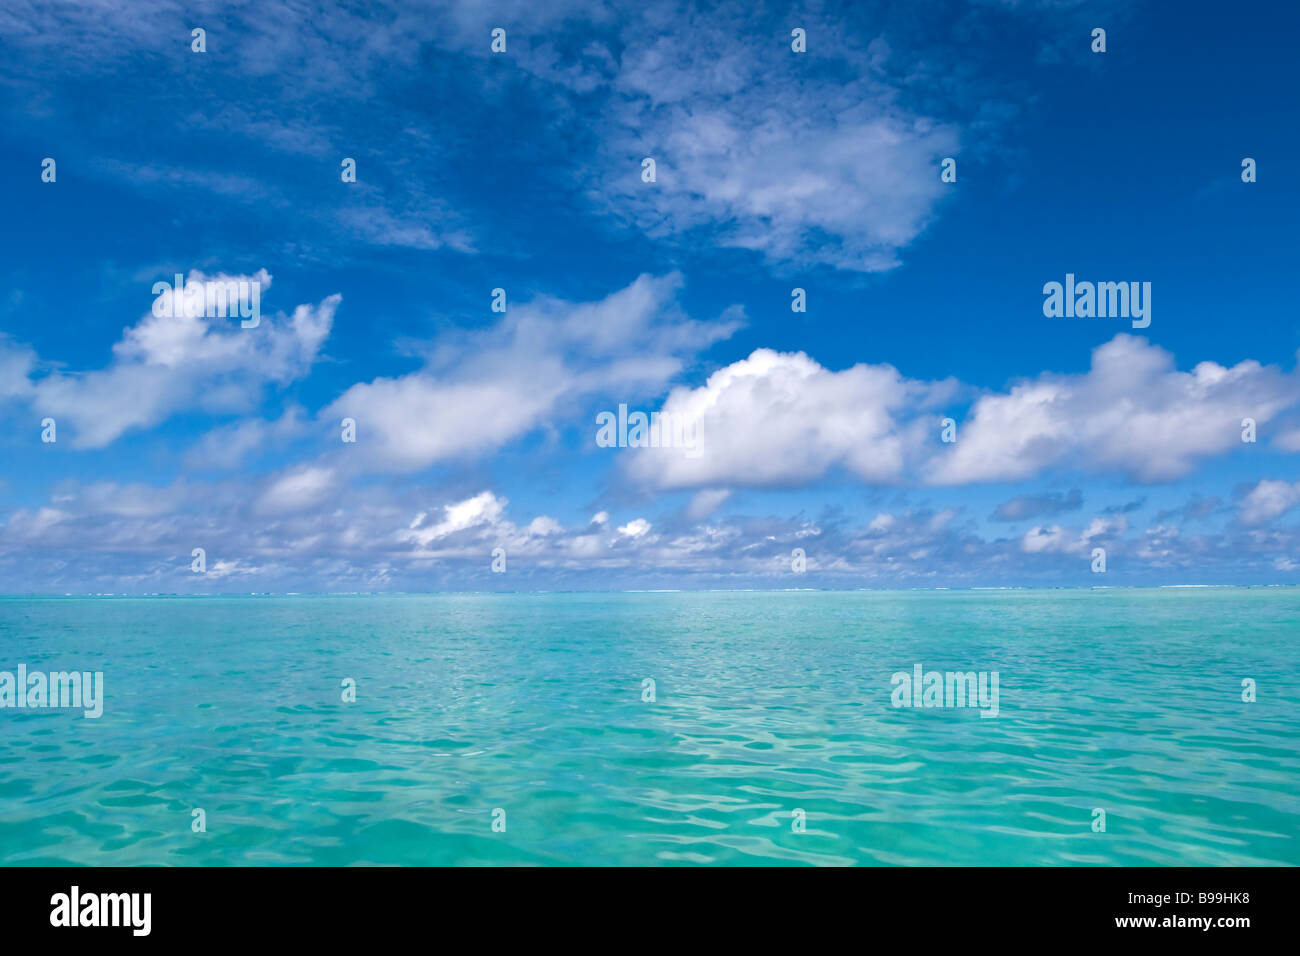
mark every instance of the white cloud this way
{"type": "Point", "coordinates": [484, 509]}
{"type": "Point", "coordinates": [482, 389]}
{"type": "Point", "coordinates": [297, 490]}
{"type": "Point", "coordinates": [1268, 500]}
{"type": "Point", "coordinates": [164, 365]}
{"type": "Point", "coordinates": [782, 419]}
{"type": "Point", "coordinates": [881, 522]}
{"type": "Point", "coordinates": [224, 569]}
{"type": "Point", "coordinates": [1100, 527]}
{"type": "Point", "coordinates": [865, 191]}
{"type": "Point", "coordinates": [135, 537]}
{"type": "Point", "coordinates": [766, 150]}
{"type": "Point", "coordinates": [1132, 412]}
{"type": "Point", "coordinates": [543, 526]}
{"type": "Point", "coordinates": [1053, 539]}
{"type": "Point", "coordinates": [635, 528]}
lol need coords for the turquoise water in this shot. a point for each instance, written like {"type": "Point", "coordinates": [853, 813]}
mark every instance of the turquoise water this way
{"type": "Point", "coordinates": [1127, 701]}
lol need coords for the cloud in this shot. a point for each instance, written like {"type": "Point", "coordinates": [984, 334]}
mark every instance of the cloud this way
{"type": "Point", "coordinates": [748, 177]}
{"type": "Point", "coordinates": [804, 158]}
{"type": "Point", "coordinates": [704, 503]}
{"type": "Point", "coordinates": [1049, 538]}
{"type": "Point", "coordinates": [484, 509]}
{"type": "Point", "coordinates": [1196, 508]}
{"type": "Point", "coordinates": [135, 537]}
{"type": "Point", "coordinates": [635, 528]}
{"type": "Point", "coordinates": [315, 75]}
{"type": "Point", "coordinates": [1127, 507]}
{"type": "Point", "coordinates": [544, 526]}
{"type": "Point", "coordinates": [16, 365]}
{"type": "Point", "coordinates": [1133, 412]}
{"type": "Point", "coordinates": [1053, 539]}
{"type": "Point", "coordinates": [298, 489]}
{"type": "Point", "coordinates": [168, 364]}
{"type": "Point", "coordinates": [226, 447]}
{"type": "Point", "coordinates": [375, 222]}
{"type": "Point", "coordinates": [782, 419]}
{"type": "Point", "coordinates": [1288, 440]}
{"type": "Point", "coordinates": [1035, 506]}
{"type": "Point", "coordinates": [482, 389]}
{"type": "Point", "coordinates": [1268, 500]}
{"type": "Point", "coordinates": [827, 157]}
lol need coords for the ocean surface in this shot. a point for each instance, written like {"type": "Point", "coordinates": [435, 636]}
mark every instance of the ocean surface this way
{"type": "Point", "coordinates": [1127, 701]}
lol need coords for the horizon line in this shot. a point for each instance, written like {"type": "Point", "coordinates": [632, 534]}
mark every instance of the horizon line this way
{"type": "Point", "coordinates": [318, 594]}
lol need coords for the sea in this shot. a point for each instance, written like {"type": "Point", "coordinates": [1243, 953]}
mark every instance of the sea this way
{"type": "Point", "coordinates": [1133, 727]}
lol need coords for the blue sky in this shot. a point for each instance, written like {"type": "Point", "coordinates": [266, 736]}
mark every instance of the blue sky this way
{"type": "Point", "coordinates": [522, 170]}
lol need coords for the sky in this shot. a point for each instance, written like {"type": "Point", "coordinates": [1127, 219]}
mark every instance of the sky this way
{"type": "Point", "coordinates": [912, 418]}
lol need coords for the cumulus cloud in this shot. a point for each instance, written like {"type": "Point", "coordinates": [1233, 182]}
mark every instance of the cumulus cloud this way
{"type": "Point", "coordinates": [544, 526]}
{"type": "Point", "coordinates": [1133, 412]}
{"type": "Point", "coordinates": [484, 509]}
{"type": "Point", "coordinates": [483, 389]}
{"type": "Point", "coordinates": [166, 364]}
{"type": "Point", "coordinates": [779, 418]}
{"type": "Point", "coordinates": [635, 528]}
{"type": "Point", "coordinates": [1053, 539]}
{"type": "Point", "coordinates": [1047, 538]}
{"type": "Point", "coordinates": [782, 419]}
